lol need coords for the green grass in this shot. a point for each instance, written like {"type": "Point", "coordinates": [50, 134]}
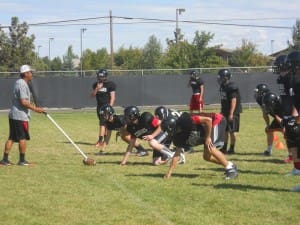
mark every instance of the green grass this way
{"type": "Point", "coordinates": [59, 189]}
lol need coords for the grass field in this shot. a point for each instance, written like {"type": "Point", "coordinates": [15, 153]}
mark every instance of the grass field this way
{"type": "Point", "coordinates": [59, 189]}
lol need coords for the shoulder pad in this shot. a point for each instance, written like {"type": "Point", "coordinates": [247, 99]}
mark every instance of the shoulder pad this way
{"type": "Point", "coordinates": [232, 87]}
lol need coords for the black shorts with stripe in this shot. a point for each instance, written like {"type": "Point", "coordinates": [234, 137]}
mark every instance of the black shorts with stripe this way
{"type": "Point", "coordinates": [18, 130]}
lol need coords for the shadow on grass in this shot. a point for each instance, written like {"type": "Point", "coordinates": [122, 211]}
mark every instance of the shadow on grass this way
{"type": "Point", "coordinates": [245, 153]}
{"type": "Point", "coordinates": [77, 142]}
{"type": "Point", "coordinates": [275, 161]}
{"type": "Point", "coordinates": [243, 187]}
{"type": "Point", "coordinates": [127, 164]}
{"type": "Point", "coordinates": [160, 175]}
{"type": "Point", "coordinates": [243, 171]}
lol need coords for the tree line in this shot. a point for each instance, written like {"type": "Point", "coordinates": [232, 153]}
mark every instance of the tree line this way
{"type": "Point", "coordinates": [16, 48]}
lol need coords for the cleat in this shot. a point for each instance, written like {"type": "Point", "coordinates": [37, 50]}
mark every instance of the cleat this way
{"type": "Point", "coordinates": [142, 153]}
{"type": "Point", "coordinates": [288, 159]}
{"type": "Point", "coordinates": [24, 163]}
{"type": "Point", "coordinates": [5, 163]}
{"type": "Point", "coordinates": [294, 172]}
{"type": "Point", "coordinates": [181, 159]}
{"type": "Point", "coordinates": [230, 152]}
{"type": "Point", "coordinates": [267, 153]}
{"type": "Point", "coordinates": [231, 173]}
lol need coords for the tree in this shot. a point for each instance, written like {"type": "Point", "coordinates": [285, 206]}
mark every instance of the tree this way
{"type": "Point", "coordinates": [152, 53]}
{"type": "Point", "coordinates": [296, 36]}
{"type": "Point", "coordinates": [16, 48]}
{"type": "Point", "coordinates": [247, 55]}
{"type": "Point", "coordinates": [95, 60]}
{"type": "Point", "coordinates": [68, 59]}
{"type": "Point", "coordinates": [129, 59]}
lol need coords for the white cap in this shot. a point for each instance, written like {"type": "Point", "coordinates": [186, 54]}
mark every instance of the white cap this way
{"type": "Point", "coordinates": [25, 68]}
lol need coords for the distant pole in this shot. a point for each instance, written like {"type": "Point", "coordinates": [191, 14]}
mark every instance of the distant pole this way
{"type": "Point", "coordinates": [177, 31]}
{"type": "Point", "coordinates": [111, 41]}
{"type": "Point", "coordinates": [272, 42]}
{"type": "Point", "coordinates": [81, 32]}
{"type": "Point", "coordinates": [38, 52]}
{"type": "Point", "coordinates": [49, 53]}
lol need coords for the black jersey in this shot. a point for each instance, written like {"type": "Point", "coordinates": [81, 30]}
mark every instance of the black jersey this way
{"type": "Point", "coordinates": [146, 125]}
{"type": "Point", "coordinates": [284, 85]}
{"type": "Point", "coordinates": [296, 91]}
{"type": "Point", "coordinates": [292, 131]}
{"type": "Point", "coordinates": [195, 84]}
{"type": "Point", "coordinates": [103, 95]}
{"type": "Point", "coordinates": [117, 123]}
{"type": "Point", "coordinates": [229, 91]}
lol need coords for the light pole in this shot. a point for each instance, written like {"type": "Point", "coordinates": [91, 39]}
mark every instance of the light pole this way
{"type": "Point", "coordinates": [177, 31]}
{"type": "Point", "coordinates": [49, 53]}
{"type": "Point", "coordinates": [38, 53]}
{"type": "Point", "coordinates": [81, 33]}
{"type": "Point", "coordinates": [272, 42]}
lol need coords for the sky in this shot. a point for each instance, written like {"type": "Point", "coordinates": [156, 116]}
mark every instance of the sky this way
{"type": "Point", "coordinates": [199, 15]}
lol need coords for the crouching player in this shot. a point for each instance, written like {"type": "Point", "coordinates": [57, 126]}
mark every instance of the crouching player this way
{"type": "Point", "coordinates": [196, 130]}
{"type": "Point", "coordinates": [113, 122]}
{"type": "Point", "coordinates": [146, 127]}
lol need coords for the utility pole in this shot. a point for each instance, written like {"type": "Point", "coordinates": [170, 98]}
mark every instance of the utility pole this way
{"type": "Point", "coordinates": [81, 33]}
{"type": "Point", "coordinates": [49, 53]}
{"type": "Point", "coordinates": [272, 42]}
{"type": "Point", "coordinates": [177, 31]}
{"type": "Point", "coordinates": [111, 41]}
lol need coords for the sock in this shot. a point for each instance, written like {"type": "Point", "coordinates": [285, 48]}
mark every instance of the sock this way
{"type": "Point", "coordinates": [229, 166]}
{"type": "Point", "coordinates": [140, 148]}
{"type": "Point", "coordinates": [297, 165]}
{"type": "Point", "coordinates": [101, 139]}
{"type": "Point", "coordinates": [269, 148]}
{"type": "Point", "coordinates": [5, 156]}
{"type": "Point", "coordinates": [167, 152]}
{"type": "Point", "coordinates": [22, 157]}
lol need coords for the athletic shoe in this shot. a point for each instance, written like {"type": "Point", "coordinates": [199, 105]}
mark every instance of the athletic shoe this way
{"type": "Point", "coordinates": [24, 163]}
{"type": "Point", "coordinates": [231, 173]}
{"type": "Point", "coordinates": [230, 152]}
{"type": "Point", "coordinates": [267, 153]}
{"type": "Point", "coordinates": [142, 153]}
{"type": "Point", "coordinates": [296, 189]}
{"type": "Point", "coordinates": [189, 150]}
{"type": "Point", "coordinates": [181, 159]}
{"type": "Point", "coordinates": [294, 172]}
{"type": "Point", "coordinates": [5, 162]}
{"type": "Point", "coordinates": [99, 144]}
{"type": "Point", "coordinates": [288, 159]}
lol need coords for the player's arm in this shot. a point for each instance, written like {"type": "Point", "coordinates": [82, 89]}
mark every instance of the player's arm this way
{"type": "Point", "coordinates": [232, 108]}
{"type": "Point", "coordinates": [266, 118]}
{"type": "Point", "coordinates": [155, 123]}
{"type": "Point", "coordinates": [174, 162]}
{"type": "Point", "coordinates": [128, 151]}
{"type": "Point", "coordinates": [30, 106]}
{"type": "Point", "coordinates": [112, 98]}
{"type": "Point", "coordinates": [96, 87]}
{"type": "Point", "coordinates": [201, 92]}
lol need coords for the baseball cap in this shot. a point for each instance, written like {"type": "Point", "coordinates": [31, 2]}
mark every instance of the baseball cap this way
{"type": "Point", "coordinates": [25, 68]}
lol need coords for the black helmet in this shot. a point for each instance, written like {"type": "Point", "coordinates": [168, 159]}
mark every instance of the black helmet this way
{"type": "Point", "coordinates": [102, 74]}
{"type": "Point", "coordinates": [293, 61]}
{"type": "Point", "coordinates": [161, 112]}
{"type": "Point", "coordinates": [169, 125]}
{"type": "Point", "coordinates": [106, 111]}
{"type": "Point", "coordinates": [131, 113]}
{"type": "Point", "coordinates": [223, 76]}
{"type": "Point", "coordinates": [194, 75]}
{"type": "Point", "coordinates": [279, 64]}
{"type": "Point", "coordinates": [271, 103]}
{"type": "Point", "coordinates": [259, 92]}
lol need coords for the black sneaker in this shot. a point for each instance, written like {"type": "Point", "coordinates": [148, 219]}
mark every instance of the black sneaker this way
{"type": "Point", "coordinates": [230, 152]}
{"type": "Point", "coordinates": [231, 173]}
{"type": "Point", "coordinates": [267, 153]}
{"type": "Point", "coordinates": [24, 163]}
{"type": "Point", "coordinates": [142, 153]}
{"type": "Point", "coordinates": [5, 162]}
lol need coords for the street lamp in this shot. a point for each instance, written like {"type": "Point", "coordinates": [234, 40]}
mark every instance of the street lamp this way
{"type": "Point", "coordinates": [49, 54]}
{"type": "Point", "coordinates": [81, 33]}
{"type": "Point", "coordinates": [272, 42]}
{"type": "Point", "coordinates": [38, 52]}
{"type": "Point", "coordinates": [177, 31]}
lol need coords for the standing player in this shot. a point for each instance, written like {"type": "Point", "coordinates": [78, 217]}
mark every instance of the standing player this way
{"type": "Point", "coordinates": [230, 108]}
{"type": "Point", "coordinates": [19, 116]}
{"type": "Point", "coordinates": [105, 93]}
{"type": "Point", "coordinates": [196, 130]}
{"type": "Point", "coordinates": [197, 84]}
{"type": "Point", "coordinates": [111, 121]}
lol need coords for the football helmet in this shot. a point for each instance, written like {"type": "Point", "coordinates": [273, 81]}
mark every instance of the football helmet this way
{"type": "Point", "coordinates": [259, 92]}
{"type": "Point", "coordinates": [194, 75]}
{"type": "Point", "coordinates": [106, 111]}
{"type": "Point", "coordinates": [271, 103]}
{"type": "Point", "coordinates": [293, 61]}
{"type": "Point", "coordinates": [279, 64]}
{"type": "Point", "coordinates": [161, 112]}
{"type": "Point", "coordinates": [131, 113]}
{"type": "Point", "coordinates": [224, 75]}
{"type": "Point", "coordinates": [169, 125]}
{"type": "Point", "coordinates": [102, 74]}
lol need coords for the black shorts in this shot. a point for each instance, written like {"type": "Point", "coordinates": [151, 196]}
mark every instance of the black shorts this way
{"type": "Point", "coordinates": [18, 130]}
{"type": "Point", "coordinates": [275, 126]}
{"type": "Point", "coordinates": [234, 125]}
{"type": "Point", "coordinates": [101, 123]}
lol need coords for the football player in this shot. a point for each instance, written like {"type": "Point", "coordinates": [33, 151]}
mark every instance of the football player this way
{"type": "Point", "coordinates": [146, 127]}
{"type": "Point", "coordinates": [196, 130]}
{"type": "Point", "coordinates": [197, 84]}
{"type": "Point", "coordinates": [105, 93]}
{"type": "Point", "coordinates": [113, 122]}
{"type": "Point", "coordinates": [230, 108]}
